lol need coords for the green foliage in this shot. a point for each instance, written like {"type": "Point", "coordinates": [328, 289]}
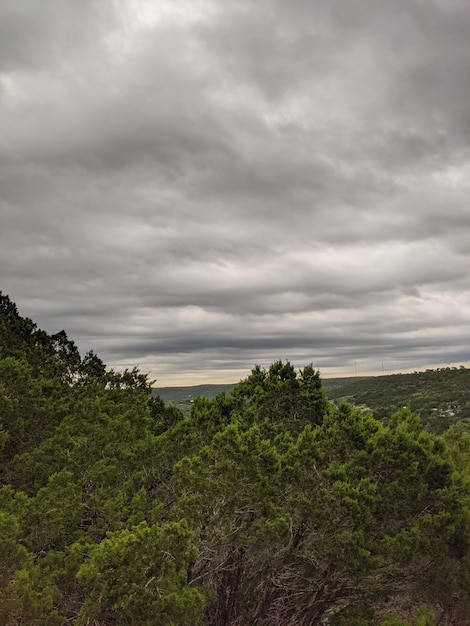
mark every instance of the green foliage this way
{"type": "Point", "coordinates": [51, 518]}
{"type": "Point", "coordinates": [27, 589]}
{"type": "Point", "coordinates": [424, 617]}
{"type": "Point", "coordinates": [267, 505]}
{"type": "Point", "coordinates": [30, 597]}
{"type": "Point", "coordinates": [281, 395]}
{"type": "Point", "coordinates": [137, 574]}
{"type": "Point", "coordinates": [441, 397]}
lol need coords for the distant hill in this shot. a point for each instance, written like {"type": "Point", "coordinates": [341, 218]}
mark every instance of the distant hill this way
{"type": "Point", "coordinates": [184, 395]}
{"type": "Point", "coordinates": [441, 396]}
{"type": "Point", "coordinates": [331, 385]}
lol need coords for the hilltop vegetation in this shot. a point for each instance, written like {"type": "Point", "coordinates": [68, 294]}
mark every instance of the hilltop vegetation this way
{"type": "Point", "coordinates": [187, 394]}
{"type": "Point", "coordinates": [265, 506]}
{"type": "Point", "coordinates": [440, 397]}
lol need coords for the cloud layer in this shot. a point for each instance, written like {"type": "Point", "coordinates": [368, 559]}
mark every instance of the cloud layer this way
{"type": "Point", "coordinates": [196, 187]}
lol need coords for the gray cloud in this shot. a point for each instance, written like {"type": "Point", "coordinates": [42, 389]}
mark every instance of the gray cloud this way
{"type": "Point", "coordinates": [196, 187]}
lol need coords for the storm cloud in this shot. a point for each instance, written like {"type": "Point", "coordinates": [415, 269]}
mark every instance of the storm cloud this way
{"type": "Point", "coordinates": [194, 187]}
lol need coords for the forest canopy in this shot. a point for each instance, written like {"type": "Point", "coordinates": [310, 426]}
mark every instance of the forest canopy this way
{"type": "Point", "coordinates": [266, 506]}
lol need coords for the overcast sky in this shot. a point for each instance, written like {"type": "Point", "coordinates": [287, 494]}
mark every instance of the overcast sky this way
{"type": "Point", "coordinates": [196, 186]}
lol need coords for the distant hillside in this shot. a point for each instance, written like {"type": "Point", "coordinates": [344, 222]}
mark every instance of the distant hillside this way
{"type": "Point", "coordinates": [441, 396]}
{"type": "Point", "coordinates": [183, 396]}
{"type": "Point", "coordinates": [331, 385]}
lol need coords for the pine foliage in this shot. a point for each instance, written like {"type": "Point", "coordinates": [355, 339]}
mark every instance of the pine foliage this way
{"type": "Point", "coordinates": [265, 506]}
